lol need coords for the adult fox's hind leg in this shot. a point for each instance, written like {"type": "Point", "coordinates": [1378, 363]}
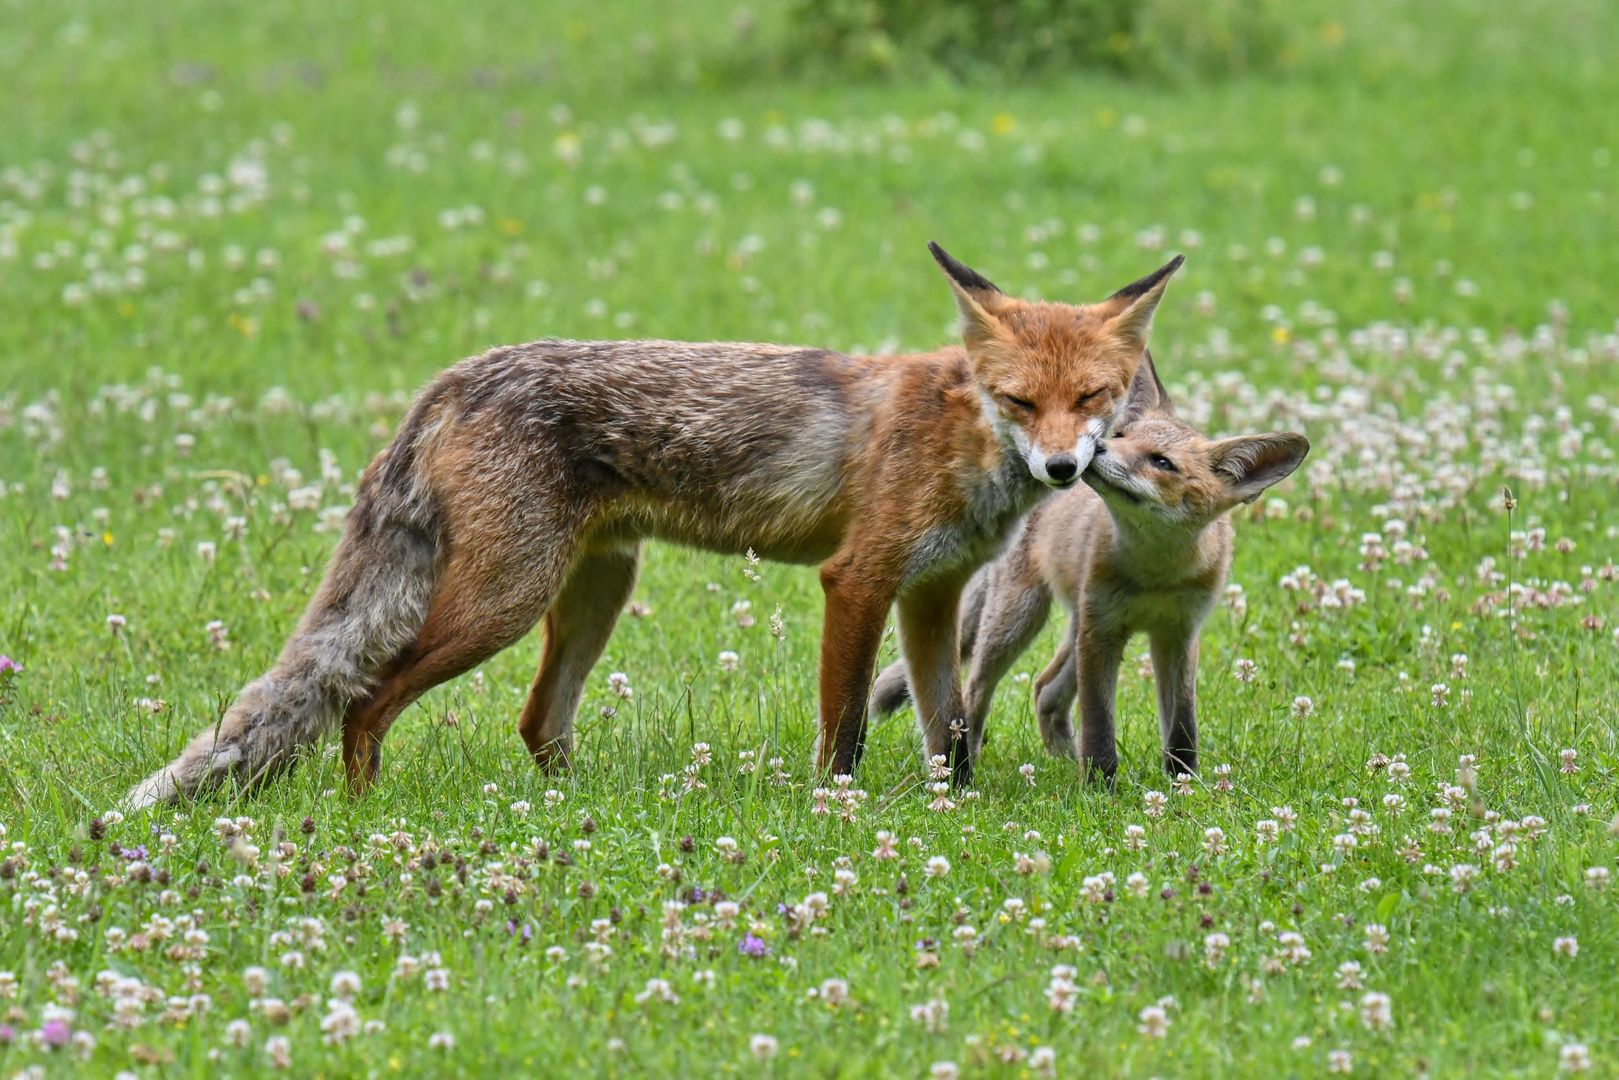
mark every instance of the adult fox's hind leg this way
{"type": "Point", "coordinates": [489, 595]}
{"type": "Point", "coordinates": [576, 631]}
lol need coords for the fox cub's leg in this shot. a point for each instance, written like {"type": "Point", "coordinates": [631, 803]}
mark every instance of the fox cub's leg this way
{"type": "Point", "coordinates": [1054, 692]}
{"type": "Point", "coordinates": [1174, 665]}
{"type": "Point", "coordinates": [576, 631]}
{"type": "Point", "coordinates": [1014, 608]}
{"type": "Point", "coordinates": [927, 638]}
{"type": "Point", "coordinates": [857, 603]}
{"type": "Point", "coordinates": [1098, 654]}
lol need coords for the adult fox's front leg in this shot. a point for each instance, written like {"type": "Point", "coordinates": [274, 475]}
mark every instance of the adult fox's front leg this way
{"type": "Point", "coordinates": [857, 603]}
{"type": "Point", "coordinates": [927, 637]}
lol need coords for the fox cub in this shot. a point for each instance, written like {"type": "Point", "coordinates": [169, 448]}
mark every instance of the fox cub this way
{"type": "Point", "coordinates": [1144, 544]}
{"type": "Point", "coordinates": [522, 483]}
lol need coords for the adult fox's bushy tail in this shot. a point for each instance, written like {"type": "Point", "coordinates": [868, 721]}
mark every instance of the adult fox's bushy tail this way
{"type": "Point", "coordinates": [368, 609]}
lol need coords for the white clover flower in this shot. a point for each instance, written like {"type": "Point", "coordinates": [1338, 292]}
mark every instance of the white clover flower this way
{"type": "Point", "coordinates": [938, 866]}
{"type": "Point", "coordinates": [1376, 1012]}
{"type": "Point", "coordinates": [1154, 1022]}
{"type": "Point", "coordinates": [763, 1047]}
{"type": "Point", "coordinates": [1574, 1058]}
{"type": "Point", "coordinates": [278, 1048]}
{"type": "Point", "coordinates": [340, 1024]}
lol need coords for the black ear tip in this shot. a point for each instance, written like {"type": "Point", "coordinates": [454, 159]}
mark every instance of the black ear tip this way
{"type": "Point", "coordinates": [1137, 289]}
{"type": "Point", "coordinates": [964, 276]}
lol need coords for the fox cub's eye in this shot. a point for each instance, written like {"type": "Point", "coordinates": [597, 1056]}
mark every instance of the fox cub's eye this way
{"type": "Point", "coordinates": [1159, 461]}
{"type": "Point", "coordinates": [1018, 403]}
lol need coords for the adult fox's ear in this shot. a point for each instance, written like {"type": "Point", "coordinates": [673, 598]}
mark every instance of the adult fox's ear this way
{"type": "Point", "coordinates": [1147, 395]}
{"type": "Point", "coordinates": [977, 298]}
{"type": "Point", "coordinates": [1248, 464]}
{"type": "Point", "coordinates": [1133, 306]}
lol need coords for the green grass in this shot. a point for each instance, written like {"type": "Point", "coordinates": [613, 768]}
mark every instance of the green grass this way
{"type": "Point", "coordinates": [1468, 141]}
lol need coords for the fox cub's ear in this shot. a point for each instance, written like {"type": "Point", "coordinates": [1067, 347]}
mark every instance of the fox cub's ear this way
{"type": "Point", "coordinates": [1251, 463]}
{"type": "Point", "coordinates": [1133, 305]}
{"type": "Point", "coordinates": [977, 298]}
{"type": "Point", "coordinates": [1147, 395]}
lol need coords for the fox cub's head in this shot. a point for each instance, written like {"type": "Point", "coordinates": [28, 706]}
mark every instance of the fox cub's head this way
{"type": "Point", "coordinates": [1154, 466]}
{"type": "Point", "coordinates": [1054, 377]}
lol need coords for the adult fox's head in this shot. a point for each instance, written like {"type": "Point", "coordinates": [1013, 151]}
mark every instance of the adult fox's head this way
{"type": "Point", "coordinates": [1054, 377]}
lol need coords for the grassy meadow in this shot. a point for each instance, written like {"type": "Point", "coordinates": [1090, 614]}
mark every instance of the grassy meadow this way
{"type": "Point", "coordinates": [234, 240]}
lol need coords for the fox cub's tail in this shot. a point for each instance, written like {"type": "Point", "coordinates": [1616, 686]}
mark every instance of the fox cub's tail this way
{"type": "Point", "coordinates": [370, 607]}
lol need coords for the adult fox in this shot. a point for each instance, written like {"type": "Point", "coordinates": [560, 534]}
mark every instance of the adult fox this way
{"type": "Point", "coordinates": [522, 482]}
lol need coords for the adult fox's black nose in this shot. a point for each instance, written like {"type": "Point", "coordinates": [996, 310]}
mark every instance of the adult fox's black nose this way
{"type": "Point", "coordinates": [1062, 467]}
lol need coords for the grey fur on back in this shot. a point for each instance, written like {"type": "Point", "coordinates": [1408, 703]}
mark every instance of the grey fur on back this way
{"type": "Point", "coordinates": [717, 444]}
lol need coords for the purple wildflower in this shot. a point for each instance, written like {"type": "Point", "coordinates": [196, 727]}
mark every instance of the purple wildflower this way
{"type": "Point", "coordinates": [8, 1034]}
{"type": "Point", "coordinates": [55, 1033]}
{"type": "Point", "coordinates": [135, 854]}
{"type": "Point", "coordinates": [753, 946]}
{"type": "Point", "coordinates": [8, 664]}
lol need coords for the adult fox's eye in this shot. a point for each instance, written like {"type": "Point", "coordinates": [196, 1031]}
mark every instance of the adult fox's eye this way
{"type": "Point", "coordinates": [1084, 398]}
{"type": "Point", "coordinates": [1018, 403]}
{"type": "Point", "coordinates": [1159, 461]}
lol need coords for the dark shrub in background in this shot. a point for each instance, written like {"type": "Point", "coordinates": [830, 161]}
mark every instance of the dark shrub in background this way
{"type": "Point", "coordinates": [1017, 38]}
